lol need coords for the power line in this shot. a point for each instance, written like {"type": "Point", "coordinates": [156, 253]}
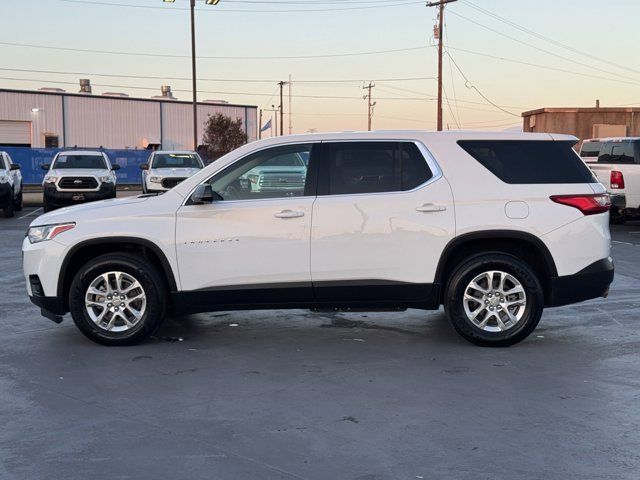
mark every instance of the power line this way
{"type": "Point", "coordinates": [208, 57]}
{"type": "Point", "coordinates": [471, 86]}
{"type": "Point", "coordinates": [225, 10]}
{"type": "Point", "coordinates": [546, 39]}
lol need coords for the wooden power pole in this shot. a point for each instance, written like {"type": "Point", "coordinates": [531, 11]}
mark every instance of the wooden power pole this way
{"type": "Point", "coordinates": [282, 84]}
{"type": "Point", "coordinates": [440, 4]}
{"type": "Point", "coordinates": [370, 104]}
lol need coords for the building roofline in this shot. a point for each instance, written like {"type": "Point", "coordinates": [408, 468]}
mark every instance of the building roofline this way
{"type": "Point", "coordinates": [581, 110]}
{"type": "Point", "coordinates": [107, 97]}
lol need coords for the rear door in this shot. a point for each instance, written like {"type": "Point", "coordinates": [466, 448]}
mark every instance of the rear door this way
{"type": "Point", "coordinates": [383, 215]}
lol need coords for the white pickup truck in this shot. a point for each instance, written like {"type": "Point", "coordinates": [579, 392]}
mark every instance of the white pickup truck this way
{"type": "Point", "coordinates": [616, 163]}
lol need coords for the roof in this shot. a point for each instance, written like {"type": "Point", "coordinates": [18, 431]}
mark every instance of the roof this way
{"type": "Point", "coordinates": [97, 153]}
{"type": "Point", "coordinates": [613, 139]}
{"type": "Point", "coordinates": [124, 99]}
{"type": "Point", "coordinates": [178, 152]}
{"type": "Point", "coordinates": [581, 110]}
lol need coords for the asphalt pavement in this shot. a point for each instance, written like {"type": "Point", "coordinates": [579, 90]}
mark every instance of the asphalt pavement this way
{"type": "Point", "coordinates": [300, 395]}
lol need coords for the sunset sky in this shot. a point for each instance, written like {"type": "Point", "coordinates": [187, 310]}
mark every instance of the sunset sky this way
{"type": "Point", "coordinates": [543, 53]}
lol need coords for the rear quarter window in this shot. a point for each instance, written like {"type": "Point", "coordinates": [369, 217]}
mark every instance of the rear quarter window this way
{"type": "Point", "coordinates": [530, 161]}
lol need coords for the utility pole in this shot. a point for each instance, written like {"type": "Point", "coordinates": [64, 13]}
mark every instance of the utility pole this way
{"type": "Point", "coordinates": [282, 84]}
{"type": "Point", "coordinates": [260, 126]}
{"type": "Point", "coordinates": [193, 76]}
{"type": "Point", "coordinates": [370, 104]}
{"type": "Point", "coordinates": [440, 4]}
{"type": "Point", "coordinates": [290, 110]}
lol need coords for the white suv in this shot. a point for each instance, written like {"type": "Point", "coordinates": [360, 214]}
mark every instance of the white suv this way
{"type": "Point", "coordinates": [77, 177]}
{"type": "Point", "coordinates": [10, 185]}
{"type": "Point", "coordinates": [495, 227]}
{"type": "Point", "coordinates": [166, 169]}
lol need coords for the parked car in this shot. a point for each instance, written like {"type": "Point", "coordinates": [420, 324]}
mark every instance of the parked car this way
{"type": "Point", "coordinates": [77, 177]}
{"type": "Point", "coordinates": [616, 163]}
{"type": "Point", "coordinates": [495, 227]}
{"type": "Point", "coordinates": [10, 185]}
{"type": "Point", "coordinates": [166, 169]}
{"type": "Point", "coordinates": [277, 175]}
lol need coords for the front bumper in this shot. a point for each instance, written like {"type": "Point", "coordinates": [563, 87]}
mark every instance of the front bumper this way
{"type": "Point", "coordinates": [590, 282]}
{"type": "Point", "coordinates": [57, 198]}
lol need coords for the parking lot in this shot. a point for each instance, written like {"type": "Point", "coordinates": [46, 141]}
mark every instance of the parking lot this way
{"type": "Point", "coordinates": [298, 395]}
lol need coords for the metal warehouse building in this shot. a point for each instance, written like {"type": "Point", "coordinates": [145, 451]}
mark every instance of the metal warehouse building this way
{"type": "Point", "coordinates": [51, 118]}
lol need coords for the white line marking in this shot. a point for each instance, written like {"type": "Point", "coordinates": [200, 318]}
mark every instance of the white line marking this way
{"type": "Point", "coordinates": [623, 243]}
{"type": "Point", "coordinates": [30, 213]}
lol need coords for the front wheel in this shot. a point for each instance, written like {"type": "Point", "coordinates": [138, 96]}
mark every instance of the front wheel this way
{"type": "Point", "coordinates": [18, 202]}
{"type": "Point", "coordinates": [9, 210]}
{"type": "Point", "coordinates": [118, 299]}
{"type": "Point", "coordinates": [494, 300]}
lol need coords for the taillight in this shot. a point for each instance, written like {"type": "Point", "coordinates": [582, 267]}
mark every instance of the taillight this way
{"type": "Point", "coordinates": [587, 204]}
{"type": "Point", "coordinates": [617, 179]}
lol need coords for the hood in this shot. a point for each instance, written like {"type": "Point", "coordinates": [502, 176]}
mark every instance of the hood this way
{"type": "Point", "coordinates": [78, 172]}
{"type": "Point", "coordinates": [84, 210]}
{"type": "Point", "coordinates": [173, 172]}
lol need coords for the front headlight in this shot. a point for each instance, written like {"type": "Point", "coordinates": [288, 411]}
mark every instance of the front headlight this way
{"type": "Point", "coordinates": [48, 232]}
{"type": "Point", "coordinates": [50, 179]}
{"type": "Point", "coordinates": [155, 180]}
{"type": "Point", "coordinates": [106, 179]}
{"type": "Point", "coordinates": [4, 179]}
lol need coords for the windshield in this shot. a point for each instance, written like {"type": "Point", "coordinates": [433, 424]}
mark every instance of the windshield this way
{"type": "Point", "coordinates": [176, 160]}
{"type": "Point", "coordinates": [2, 165]}
{"type": "Point", "coordinates": [80, 161]}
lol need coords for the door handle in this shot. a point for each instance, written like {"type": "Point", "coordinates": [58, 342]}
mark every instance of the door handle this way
{"type": "Point", "coordinates": [289, 214]}
{"type": "Point", "coordinates": [430, 208]}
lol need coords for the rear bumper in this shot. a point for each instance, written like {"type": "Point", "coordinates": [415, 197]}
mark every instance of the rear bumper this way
{"type": "Point", "coordinates": [590, 282]}
{"type": "Point", "coordinates": [618, 200]}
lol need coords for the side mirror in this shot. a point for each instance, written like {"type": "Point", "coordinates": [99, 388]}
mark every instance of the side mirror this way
{"type": "Point", "coordinates": [144, 166]}
{"type": "Point", "coordinates": [45, 166]}
{"type": "Point", "coordinates": [204, 194]}
{"type": "Point", "coordinates": [115, 166]}
{"type": "Point", "coordinates": [15, 166]}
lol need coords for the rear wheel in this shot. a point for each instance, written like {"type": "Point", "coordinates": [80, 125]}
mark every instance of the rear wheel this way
{"type": "Point", "coordinates": [9, 210]}
{"type": "Point", "coordinates": [118, 299]}
{"type": "Point", "coordinates": [494, 300]}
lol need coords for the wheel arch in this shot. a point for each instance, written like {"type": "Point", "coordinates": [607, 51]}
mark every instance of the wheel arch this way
{"type": "Point", "coordinates": [79, 254]}
{"type": "Point", "coordinates": [523, 245]}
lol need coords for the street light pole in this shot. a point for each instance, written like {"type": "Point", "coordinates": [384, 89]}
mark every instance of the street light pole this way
{"type": "Point", "coordinates": [193, 75]}
{"type": "Point", "coordinates": [193, 64]}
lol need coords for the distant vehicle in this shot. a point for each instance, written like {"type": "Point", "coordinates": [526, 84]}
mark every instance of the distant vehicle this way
{"type": "Point", "coordinates": [616, 163]}
{"type": "Point", "coordinates": [77, 177]}
{"type": "Point", "coordinates": [166, 169]}
{"type": "Point", "coordinates": [277, 175]}
{"type": "Point", "coordinates": [495, 227]}
{"type": "Point", "coordinates": [10, 185]}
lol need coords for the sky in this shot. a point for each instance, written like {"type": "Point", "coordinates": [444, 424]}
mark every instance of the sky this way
{"type": "Point", "coordinates": [503, 56]}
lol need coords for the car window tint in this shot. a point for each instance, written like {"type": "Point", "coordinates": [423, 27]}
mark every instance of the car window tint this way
{"type": "Point", "coordinates": [530, 161]}
{"type": "Point", "coordinates": [276, 172]}
{"type": "Point", "coordinates": [80, 161]}
{"type": "Point", "coordinates": [375, 167]}
{"type": "Point", "coordinates": [590, 149]}
{"type": "Point", "coordinates": [176, 160]}
{"type": "Point", "coordinates": [3, 165]}
{"type": "Point", "coordinates": [618, 152]}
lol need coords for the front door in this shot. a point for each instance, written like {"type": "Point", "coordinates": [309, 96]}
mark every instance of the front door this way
{"type": "Point", "coordinates": [253, 245]}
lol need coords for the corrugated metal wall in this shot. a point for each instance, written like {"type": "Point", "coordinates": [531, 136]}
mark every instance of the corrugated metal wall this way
{"type": "Point", "coordinates": [48, 118]}
{"type": "Point", "coordinates": [92, 121]}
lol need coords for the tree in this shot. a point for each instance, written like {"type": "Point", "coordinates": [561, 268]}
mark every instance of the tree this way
{"type": "Point", "coordinates": [222, 135]}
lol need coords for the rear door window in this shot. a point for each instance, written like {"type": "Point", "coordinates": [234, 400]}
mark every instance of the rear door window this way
{"type": "Point", "coordinates": [373, 167]}
{"type": "Point", "coordinates": [530, 161]}
{"type": "Point", "coordinates": [618, 153]}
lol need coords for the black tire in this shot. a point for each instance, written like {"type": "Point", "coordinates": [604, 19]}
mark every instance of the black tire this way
{"type": "Point", "coordinates": [616, 216]}
{"type": "Point", "coordinates": [151, 281]}
{"type": "Point", "coordinates": [9, 210]}
{"type": "Point", "coordinates": [467, 271]}
{"type": "Point", "coordinates": [18, 201]}
{"type": "Point", "coordinates": [46, 206]}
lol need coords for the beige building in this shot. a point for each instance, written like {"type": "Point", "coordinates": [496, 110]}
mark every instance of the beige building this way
{"type": "Point", "coordinates": [585, 122]}
{"type": "Point", "coordinates": [49, 118]}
